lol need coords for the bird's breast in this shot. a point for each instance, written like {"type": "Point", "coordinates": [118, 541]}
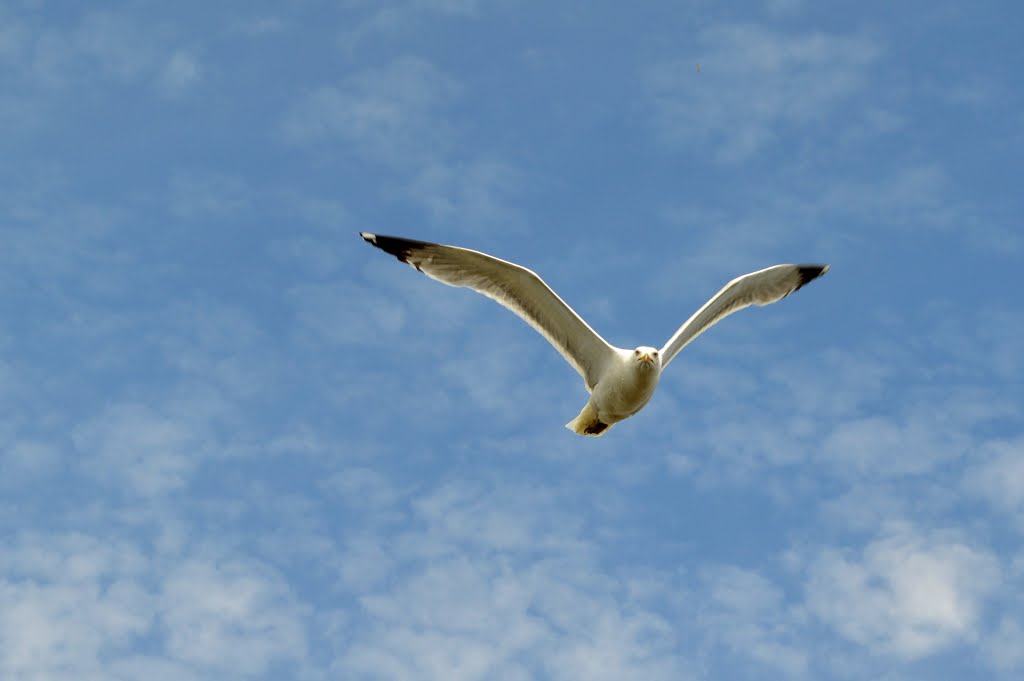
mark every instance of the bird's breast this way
{"type": "Point", "coordinates": [624, 390]}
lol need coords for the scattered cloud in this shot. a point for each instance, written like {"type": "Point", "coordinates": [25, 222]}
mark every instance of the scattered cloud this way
{"type": "Point", "coordinates": [104, 42]}
{"type": "Point", "coordinates": [754, 84]}
{"type": "Point", "coordinates": [397, 18]}
{"type": "Point", "coordinates": [868, 446]}
{"type": "Point", "coordinates": [284, 456]}
{"type": "Point", "coordinates": [998, 476]}
{"type": "Point", "coordinates": [910, 593]}
{"type": "Point", "coordinates": [202, 195]}
{"type": "Point", "coordinates": [389, 114]}
{"type": "Point", "coordinates": [100, 46]}
{"type": "Point", "coordinates": [749, 616]}
{"type": "Point", "coordinates": [915, 196]}
{"type": "Point", "coordinates": [46, 63]}
{"type": "Point", "coordinates": [260, 26]}
{"type": "Point", "coordinates": [181, 72]}
{"type": "Point", "coordinates": [151, 453]}
{"type": "Point", "coordinates": [346, 313]}
{"type": "Point", "coordinates": [464, 7]}
{"type": "Point", "coordinates": [783, 7]}
{"type": "Point", "coordinates": [1002, 650]}
{"type": "Point", "coordinates": [68, 602]}
{"type": "Point", "coordinates": [532, 604]}
{"type": "Point", "coordinates": [474, 195]}
{"type": "Point", "coordinates": [83, 605]}
{"type": "Point", "coordinates": [230, 617]}
{"type": "Point", "coordinates": [27, 459]}
{"type": "Point", "coordinates": [400, 115]}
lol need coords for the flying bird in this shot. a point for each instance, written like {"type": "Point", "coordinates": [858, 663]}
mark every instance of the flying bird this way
{"type": "Point", "coordinates": [620, 381]}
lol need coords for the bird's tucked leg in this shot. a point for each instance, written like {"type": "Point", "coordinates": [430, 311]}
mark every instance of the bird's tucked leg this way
{"type": "Point", "coordinates": [588, 422]}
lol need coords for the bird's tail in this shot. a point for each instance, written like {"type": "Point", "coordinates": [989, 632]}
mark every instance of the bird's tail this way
{"type": "Point", "coordinates": [587, 423]}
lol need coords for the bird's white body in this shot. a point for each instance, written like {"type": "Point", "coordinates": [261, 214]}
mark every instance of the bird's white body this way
{"type": "Point", "coordinates": [620, 381]}
{"type": "Point", "coordinates": [627, 383]}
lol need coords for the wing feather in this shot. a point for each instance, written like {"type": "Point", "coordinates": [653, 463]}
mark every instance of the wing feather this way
{"type": "Point", "coordinates": [757, 288]}
{"type": "Point", "coordinates": [515, 287]}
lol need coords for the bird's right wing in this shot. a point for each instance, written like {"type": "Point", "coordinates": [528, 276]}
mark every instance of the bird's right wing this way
{"type": "Point", "coordinates": [757, 288]}
{"type": "Point", "coordinates": [515, 287]}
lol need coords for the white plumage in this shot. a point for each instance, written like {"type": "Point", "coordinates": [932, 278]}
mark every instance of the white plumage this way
{"type": "Point", "coordinates": [620, 381]}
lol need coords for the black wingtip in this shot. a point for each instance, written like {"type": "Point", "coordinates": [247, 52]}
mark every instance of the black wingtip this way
{"type": "Point", "coordinates": [396, 246]}
{"type": "Point", "coordinates": [809, 273]}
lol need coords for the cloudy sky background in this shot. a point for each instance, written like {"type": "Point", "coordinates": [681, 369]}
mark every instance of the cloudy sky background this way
{"type": "Point", "coordinates": [237, 443]}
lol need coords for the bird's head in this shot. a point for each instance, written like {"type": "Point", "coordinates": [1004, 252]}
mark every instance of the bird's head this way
{"type": "Point", "coordinates": [646, 358]}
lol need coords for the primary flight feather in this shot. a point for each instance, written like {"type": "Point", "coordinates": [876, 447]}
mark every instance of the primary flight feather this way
{"type": "Point", "coordinates": [620, 381]}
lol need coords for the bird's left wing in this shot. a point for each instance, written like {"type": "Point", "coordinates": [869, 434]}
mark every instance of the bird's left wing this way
{"type": "Point", "coordinates": [757, 288]}
{"type": "Point", "coordinates": [515, 287]}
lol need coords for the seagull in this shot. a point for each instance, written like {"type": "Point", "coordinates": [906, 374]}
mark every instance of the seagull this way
{"type": "Point", "coordinates": [620, 381]}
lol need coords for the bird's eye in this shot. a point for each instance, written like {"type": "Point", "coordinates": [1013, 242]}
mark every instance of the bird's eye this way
{"type": "Point", "coordinates": [655, 353]}
{"type": "Point", "coordinates": [636, 352]}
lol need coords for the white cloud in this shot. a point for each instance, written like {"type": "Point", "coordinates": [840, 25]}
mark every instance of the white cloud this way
{"type": "Point", "coordinates": [794, 215]}
{"type": "Point", "coordinates": [366, 563]}
{"type": "Point", "coordinates": [151, 668]}
{"type": "Point", "coordinates": [480, 515]}
{"type": "Point", "coordinates": [914, 196]}
{"type": "Point", "coordinates": [88, 606]}
{"type": "Point", "coordinates": [466, 617]}
{"type": "Point", "coordinates": [761, 411]}
{"type": "Point", "coordinates": [748, 614]}
{"type": "Point", "coordinates": [385, 21]}
{"type": "Point", "coordinates": [1002, 650]}
{"type": "Point", "coordinates": [464, 7]}
{"type": "Point", "coordinates": [66, 601]}
{"type": "Point", "coordinates": [348, 314]}
{"type": "Point", "coordinates": [51, 235]}
{"type": "Point", "coordinates": [97, 48]}
{"type": "Point", "coordinates": [910, 593]}
{"type": "Point", "coordinates": [215, 344]}
{"type": "Point", "coordinates": [399, 115]}
{"type": "Point", "coordinates": [495, 582]}
{"type": "Point", "coordinates": [116, 43]}
{"type": "Point", "coordinates": [999, 475]}
{"type": "Point", "coordinates": [260, 26]}
{"type": "Point", "coordinates": [531, 558]}
{"type": "Point", "coordinates": [204, 194]}
{"type": "Point", "coordinates": [752, 413]}
{"type": "Point", "coordinates": [27, 459]}
{"type": "Point", "coordinates": [984, 342]}
{"type": "Point", "coordinates": [866, 507]}
{"type": "Point", "coordinates": [153, 453]}
{"type": "Point", "coordinates": [472, 195]}
{"type": "Point", "coordinates": [104, 44]}
{"type": "Point", "coordinates": [390, 20]}
{"type": "Point", "coordinates": [181, 71]}
{"type": "Point", "coordinates": [389, 114]}
{"type": "Point", "coordinates": [325, 213]}
{"type": "Point", "coordinates": [230, 616]}
{"type": "Point", "coordinates": [754, 83]}
{"type": "Point", "coordinates": [72, 557]}
{"type": "Point", "coordinates": [14, 39]}
{"type": "Point", "coordinates": [783, 7]}
{"type": "Point", "coordinates": [364, 489]}
{"type": "Point", "coordinates": [504, 393]}
{"type": "Point", "coordinates": [47, 61]}
{"type": "Point", "coordinates": [882, 446]}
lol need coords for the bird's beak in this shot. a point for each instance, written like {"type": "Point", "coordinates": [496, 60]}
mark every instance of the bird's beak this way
{"type": "Point", "coordinates": [646, 358]}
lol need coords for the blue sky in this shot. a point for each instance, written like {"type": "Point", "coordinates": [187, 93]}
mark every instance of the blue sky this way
{"type": "Point", "coordinates": [237, 443]}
